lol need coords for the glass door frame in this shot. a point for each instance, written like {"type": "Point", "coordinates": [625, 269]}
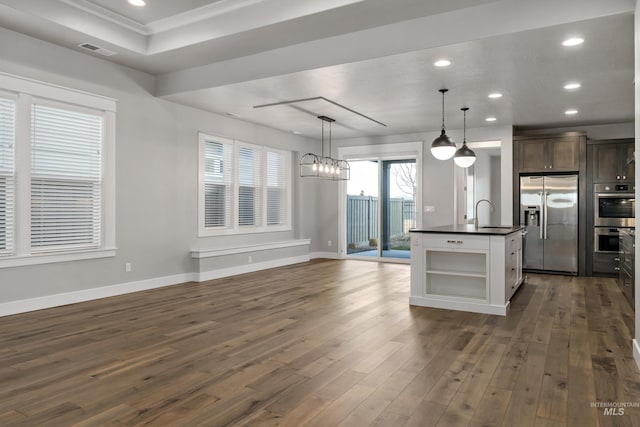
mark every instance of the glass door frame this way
{"type": "Point", "coordinates": [379, 152]}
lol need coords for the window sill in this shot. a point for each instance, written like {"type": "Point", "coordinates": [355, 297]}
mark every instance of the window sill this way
{"type": "Point", "coordinates": [209, 253]}
{"type": "Point", "coordinates": [23, 260]}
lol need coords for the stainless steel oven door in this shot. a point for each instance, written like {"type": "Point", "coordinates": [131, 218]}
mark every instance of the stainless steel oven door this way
{"type": "Point", "coordinates": [606, 240]}
{"type": "Point", "coordinates": [615, 210]}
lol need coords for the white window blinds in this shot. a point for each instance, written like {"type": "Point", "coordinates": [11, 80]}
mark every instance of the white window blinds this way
{"type": "Point", "coordinates": [66, 174]}
{"type": "Point", "coordinates": [276, 188]}
{"type": "Point", "coordinates": [242, 187]}
{"type": "Point", "coordinates": [218, 173]}
{"type": "Point", "coordinates": [7, 174]}
{"type": "Point", "coordinates": [249, 186]}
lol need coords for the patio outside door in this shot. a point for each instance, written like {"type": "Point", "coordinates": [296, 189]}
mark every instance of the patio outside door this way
{"type": "Point", "coordinates": [380, 208]}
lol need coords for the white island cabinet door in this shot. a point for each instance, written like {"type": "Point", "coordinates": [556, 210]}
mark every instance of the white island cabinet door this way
{"type": "Point", "coordinates": [513, 263]}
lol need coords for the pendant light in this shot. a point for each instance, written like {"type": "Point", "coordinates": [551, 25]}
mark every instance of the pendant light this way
{"type": "Point", "coordinates": [443, 147]}
{"type": "Point", "coordinates": [464, 157]}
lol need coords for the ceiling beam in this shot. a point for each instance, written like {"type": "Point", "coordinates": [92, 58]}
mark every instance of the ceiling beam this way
{"type": "Point", "coordinates": [472, 23]}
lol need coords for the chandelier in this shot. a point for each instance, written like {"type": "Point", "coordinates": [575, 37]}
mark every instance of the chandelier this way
{"type": "Point", "coordinates": [321, 166]}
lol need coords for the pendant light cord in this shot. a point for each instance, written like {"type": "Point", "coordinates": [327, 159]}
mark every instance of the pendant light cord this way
{"type": "Point", "coordinates": [329, 139]}
{"type": "Point", "coordinates": [323, 138]}
{"type": "Point", "coordinates": [443, 111]}
{"type": "Point", "coordinates": [464, 127]}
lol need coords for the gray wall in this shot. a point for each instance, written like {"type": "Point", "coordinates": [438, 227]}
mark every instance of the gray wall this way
{"type": "Point", "coordinates": [608, 131]}
{"type": "Point", "coordinates": [483, 187]}
{"type": "Point", "coordinates": [156, 191]}
{"type": "Point", "coordinates": [496, 188]}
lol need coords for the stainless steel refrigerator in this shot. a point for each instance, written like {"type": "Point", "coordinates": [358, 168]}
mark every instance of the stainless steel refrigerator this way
{"type": "Point", "coordinates": [549, 212]}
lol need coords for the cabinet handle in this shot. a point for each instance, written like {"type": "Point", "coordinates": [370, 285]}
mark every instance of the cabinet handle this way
{"type": "Point", "coordinates": [616, 259]}
{"type": "Point", "coordinates": [624, 177]}
{"type": "Point", "coordinates": [618, 177]}
{"type": "Point", "coordinates": [616, 268]}
{"type": "Point", "coordinates": [457, 242]}
{"type": "Point", "coordinates": [512, 269]}
{"type": "Point", "coordinates": [550, 166]}
{"type": "Point", "coordinates": [513, 253]}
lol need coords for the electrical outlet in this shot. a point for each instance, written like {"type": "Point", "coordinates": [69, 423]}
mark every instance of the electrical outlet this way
{"type": "Point", "coordinates": [127, 267]}
{"type": "Point", "coordinates": [329, 243]}
{"type": "Point", "coordinates": [429, 208]}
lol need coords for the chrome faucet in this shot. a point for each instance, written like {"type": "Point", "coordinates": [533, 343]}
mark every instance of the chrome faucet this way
{"type": "Point", "coordinates": [475, 214]}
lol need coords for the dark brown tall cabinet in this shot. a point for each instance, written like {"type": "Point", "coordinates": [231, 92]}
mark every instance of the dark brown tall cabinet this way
{"type": "Point", "coordinates": [549, 155]}
{"type": "Point", "coordinates": [608, 162]}
{"type": "Point", "coordinates": [611, 161]}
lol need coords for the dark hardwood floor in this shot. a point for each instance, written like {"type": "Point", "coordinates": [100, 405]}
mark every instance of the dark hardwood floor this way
{"type": "Point", "coordinates": [321, 344]}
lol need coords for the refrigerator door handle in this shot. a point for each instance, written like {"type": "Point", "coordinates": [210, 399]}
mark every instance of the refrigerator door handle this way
{"type": "Point", "coordinates": [541, 216]}
{"type": "Point", "coordinates": [544, 200]}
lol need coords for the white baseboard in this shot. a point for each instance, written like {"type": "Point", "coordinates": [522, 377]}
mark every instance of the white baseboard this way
{"type": "Point", "coordinates": [330, 255]}
{"type": "Point", "coordinates": [636, 352]}
{"type": "Point", "coordinates": [249, 268]}
{"type": "Point", "coordinates": [447, 304]}
{"type": "Point", "coordinates": [49, 301]}
{"type": "Point", "coordinates": [56, 300]}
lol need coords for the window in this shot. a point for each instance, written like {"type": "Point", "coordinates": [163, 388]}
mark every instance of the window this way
{"type": "Point", "coordinates": [218, 158]}
{"type": "Point", "coordinates": [244, 187]}
{"type": "Point", "coordinates": [7, 175]}
{"type": "Point", "coordinates": [249, 190]}
{"type": "Point", "coordinates": [66, 172]}
{"type": "Point", "coordinates": [56, 173]}
{"type": "Point", "coordinates": [276, 187]}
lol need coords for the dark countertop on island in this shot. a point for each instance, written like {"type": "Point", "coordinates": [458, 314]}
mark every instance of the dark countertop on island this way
{"type": "Point", "coordinates": [499, 230]}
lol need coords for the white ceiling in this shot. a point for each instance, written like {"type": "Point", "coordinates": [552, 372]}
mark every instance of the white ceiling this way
{"type": "Point", "coordinates": [373, 56]}
{"type": "Point", "coordinates": [156, 10]}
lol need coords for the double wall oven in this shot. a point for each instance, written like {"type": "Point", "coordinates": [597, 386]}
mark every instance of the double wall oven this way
{"type": "Point", "coordinates": [614, 209]}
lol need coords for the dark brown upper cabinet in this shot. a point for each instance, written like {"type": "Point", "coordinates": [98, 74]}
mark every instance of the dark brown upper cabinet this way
{"type": "Point", "coordinates": [613, 161]}
{"type": "Point", "coordinates": [560, 154]}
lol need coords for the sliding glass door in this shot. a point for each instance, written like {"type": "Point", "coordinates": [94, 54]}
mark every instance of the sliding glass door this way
{"type": "Point", "coordinates": [380, 208]}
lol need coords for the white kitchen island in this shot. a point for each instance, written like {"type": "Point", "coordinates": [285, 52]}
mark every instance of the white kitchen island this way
{"type": "Point", "coordinates": [459, 267]}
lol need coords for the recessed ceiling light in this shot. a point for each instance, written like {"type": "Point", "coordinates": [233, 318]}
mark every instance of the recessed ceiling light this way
{"type": "Point", "coordinates": [442, 63]}
{"type": "Point", "coordinates": [570, 86]}
{"type": "Point", "coordinates": [230, 114]}
{"type": "Point", "coordinates": [571, 112]}
{"type": "Point", "coordinates": [295, 132]}
{"type": "Point", "coordinates": [490, 119]}
{"type": "Point", "coordinates": [573, 41]}
{"type": "Point", "coordinates": [138, 3]}
{"type": "Point", "coordinates": [495, 95]}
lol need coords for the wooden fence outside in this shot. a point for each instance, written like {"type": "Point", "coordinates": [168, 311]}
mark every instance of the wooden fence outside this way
{"type": "Point", "coordinates": [362, 219]}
